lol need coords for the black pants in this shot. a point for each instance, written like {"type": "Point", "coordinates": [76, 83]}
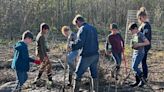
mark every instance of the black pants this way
{"type": "Point", "coordinates": [144, 64]}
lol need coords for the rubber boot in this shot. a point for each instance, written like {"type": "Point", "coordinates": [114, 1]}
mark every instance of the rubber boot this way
{"type": "Point", "coordinates": [38, 77]}
{"type": "Point", "coordinates": [70, 80]}
{"type": "Point", "coordinates": [95, 85]}
{"type": "Point", "coordinates": [77, 85]}
{"type": "Point", "coordinates": [143, 80]}
{"type": "Point", "coordinates": [117, 71]}
{"type": "Point", "coordinates": [50, 81]}
{"type": "Point", "coordinates": [136, 82]}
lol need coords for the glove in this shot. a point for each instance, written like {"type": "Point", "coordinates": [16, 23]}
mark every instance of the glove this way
{"type": "Point", "coordinates": [38, 62]}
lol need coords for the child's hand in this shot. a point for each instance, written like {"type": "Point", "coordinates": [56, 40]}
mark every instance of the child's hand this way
{"type": "Point", "coordinates": [38, 62]}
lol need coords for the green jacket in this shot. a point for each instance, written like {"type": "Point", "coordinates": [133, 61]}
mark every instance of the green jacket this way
{"type": "Point", "coordinates": [41, 46]}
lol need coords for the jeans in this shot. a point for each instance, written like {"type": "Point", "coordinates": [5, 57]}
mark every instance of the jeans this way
{"type": "Point", "coordinates": [117, 57]}
{"type": "Point", "coordinates": [85, 63]}
{"type": "Point", "coordinates": [21, 78]}
{"type": "Point", "coordinates": [71, 56]}
{"type": "Point", "coordinates": [136, 60]}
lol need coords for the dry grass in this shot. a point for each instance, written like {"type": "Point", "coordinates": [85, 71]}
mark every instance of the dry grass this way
{"type": "Point", "coordinates": [155, 62]}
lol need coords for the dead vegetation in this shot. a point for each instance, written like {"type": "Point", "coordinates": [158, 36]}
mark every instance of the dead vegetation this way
{"type": "Point", "coordinates": [106, 83]}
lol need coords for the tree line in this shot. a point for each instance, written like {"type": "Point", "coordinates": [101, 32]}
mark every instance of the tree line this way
{"type": "Point", "coordinates": [17, 16]}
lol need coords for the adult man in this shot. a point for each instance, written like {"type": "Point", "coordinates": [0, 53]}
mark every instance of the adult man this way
{"type": "Point", "coordinates": [87, 43]}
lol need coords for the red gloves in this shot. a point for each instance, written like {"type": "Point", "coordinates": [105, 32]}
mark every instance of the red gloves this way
{"type": "Point", "coordinates": [38, 62]}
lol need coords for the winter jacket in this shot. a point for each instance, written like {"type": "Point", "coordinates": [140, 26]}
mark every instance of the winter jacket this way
{"type": "Point", "coordinates": [87, 41]}
{"type": "Point", "coordinates": [41, 46]}
{"type": "Point", "coordinates": [21, 57]}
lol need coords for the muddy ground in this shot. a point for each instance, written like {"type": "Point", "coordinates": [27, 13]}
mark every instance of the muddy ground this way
{"type": "Point", "coordinates": [106, 83]}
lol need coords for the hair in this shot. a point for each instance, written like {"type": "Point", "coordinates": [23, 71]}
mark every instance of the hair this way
{"type": "Point", "coordinates": [81, 19]}
{"type": "Point", "coordinates": [27, 34]}
{"type": "Point", "coordinates": [142, 12]}
{"type": "Point", "coordinates": [43, 26]}
{"type": "Point", "coordinates": [113, 26]}
{"type": "Point", "coordinates": [142, 9]}
{"type": "Point", "coordinates": [64, 29]}
{"type": "Point", "coordinates": [132, 26]}
{"type": "Point", "coordinates": [78, 17]}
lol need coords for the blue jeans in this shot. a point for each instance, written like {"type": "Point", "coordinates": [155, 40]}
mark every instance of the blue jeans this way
{"type": "Point", "coordinates": [21, 78]}
{"type": "Point", "coordinates": [136, 60]}
{"type": "Point", "coordinates": [85, 63]}
{"type": "Point", "coordinates": [118, 58]}
{"type": "Point", "coordinates": [71, 56]}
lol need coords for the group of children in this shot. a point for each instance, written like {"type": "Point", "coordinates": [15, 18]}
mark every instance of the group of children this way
{"type": "Point", "coordinates": [21, 57]}
{"type": "Point", "coordinates": [85, 44]}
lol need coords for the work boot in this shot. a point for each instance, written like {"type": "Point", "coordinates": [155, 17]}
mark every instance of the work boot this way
{"type": "Point", "coordinates": [95, 85]}
{"type": "Point", "coordinates": [70, 80]}
{"type": "Point", "coordinates": [77, 85]}
{"type": "Point", "coordinates": [136, 82]}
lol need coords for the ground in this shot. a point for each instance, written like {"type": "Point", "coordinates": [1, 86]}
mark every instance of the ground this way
{"type": "Point", "coordinates": [106, 83]}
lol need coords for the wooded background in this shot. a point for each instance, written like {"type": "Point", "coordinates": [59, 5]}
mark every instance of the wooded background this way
{"type": "Point", "coordinates": [17, 16]}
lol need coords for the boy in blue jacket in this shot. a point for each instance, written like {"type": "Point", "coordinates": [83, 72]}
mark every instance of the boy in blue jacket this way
{"type": "Point", "coordinates": [21, 60]}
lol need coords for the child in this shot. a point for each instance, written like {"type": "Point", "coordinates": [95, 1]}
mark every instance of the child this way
{"type": "Point", "coordinates": [145, 28]}
{"type": "Point", "coordinates": [21, 59]}
{"type": "Point", "coordinates": [41, 53]}
{"type": "Point", "coordinates": [71, 55]}
{"type": "Point", "coordinates": [115, 45]}
{"type": "Point", "coordinates": [138, 43]}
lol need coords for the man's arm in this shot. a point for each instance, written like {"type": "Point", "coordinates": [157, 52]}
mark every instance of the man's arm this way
{"type": "Point", "coordinates": [81, 38]}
